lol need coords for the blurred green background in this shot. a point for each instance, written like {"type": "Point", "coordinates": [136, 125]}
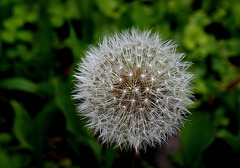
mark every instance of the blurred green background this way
{"type": "Point", "coordinates": [41, 41]}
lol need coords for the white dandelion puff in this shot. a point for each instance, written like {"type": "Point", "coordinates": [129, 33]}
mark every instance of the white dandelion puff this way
{"type": "Point", "coordinates": [133, 89]}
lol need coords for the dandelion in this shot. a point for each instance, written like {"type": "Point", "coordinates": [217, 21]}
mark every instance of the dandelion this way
{"type": "Point", "coordinates": [133, 89]}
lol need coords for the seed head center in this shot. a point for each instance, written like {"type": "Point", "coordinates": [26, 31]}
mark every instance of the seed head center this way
{"type": "Point", "coordinates": [133, 91]}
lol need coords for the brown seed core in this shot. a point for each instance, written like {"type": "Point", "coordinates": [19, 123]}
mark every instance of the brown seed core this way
{"type": "Point", "coordinates": [133, 90]}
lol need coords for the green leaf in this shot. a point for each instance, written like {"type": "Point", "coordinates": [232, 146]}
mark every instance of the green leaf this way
{"type": "Point", "coordinates": [5, 160]}
{"type": "Point", "coordinates": [73, 43]}
{"type": "Point", "coordinates": [110, 155]}
{"type": "Point", "coordinates": [74, 124]}
{"type": "Point", "coordinates": [194, 35]}
{"type": "Point", "coordinates": [232, 103]}
{"type": "Point", "coordinates": [233, 45]}
{"type": "Point", "coordinates": [9, 36]}
{"type": "Point", "coordinates": [20, 160]}
{"type": "Point", "coordinates": [44, 119]}
{"type": "Point", "coordinates": [145, 164]}
{"type": "Point", "coordinates": [5, 138]}
{"type": "Point", "coordinates": [195, 137]}
{"type": "Point", "coordinates": [107, 7]}
{"type": "Point", "coordinates": [96, 148]}
{"type": "Point", "coordinates": [25, 35]}
{"type": "Point", "coordinates": [233, 141]}
{"type": "Point", "coordinates": [139, 16]}
{"type": "Point", "coordinates": [24, 127]}
{"type": "Point", "coordinates": [50, 165]}
{"type": "Point", "coordinates": [18, 83]}
{"type": "Point", "coordinates": [64, 103]}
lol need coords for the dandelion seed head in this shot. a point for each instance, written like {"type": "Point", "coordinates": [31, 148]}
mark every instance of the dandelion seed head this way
{"type": "Point", "coordinates": [134, 89]}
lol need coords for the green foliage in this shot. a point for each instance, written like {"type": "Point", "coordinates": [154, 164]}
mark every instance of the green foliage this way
{"type": "Point", "coordinates": [197, 134]}
{"type": "Point", "coordinates": [18, 83]}
{"type": "Point", "coordinates": [41, 42]}
{"type": "Point", "coordinates": [24, 127]}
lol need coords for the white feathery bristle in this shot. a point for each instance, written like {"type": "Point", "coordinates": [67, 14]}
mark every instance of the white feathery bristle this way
{"type": "Point", "coordinates": [134, 89]}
